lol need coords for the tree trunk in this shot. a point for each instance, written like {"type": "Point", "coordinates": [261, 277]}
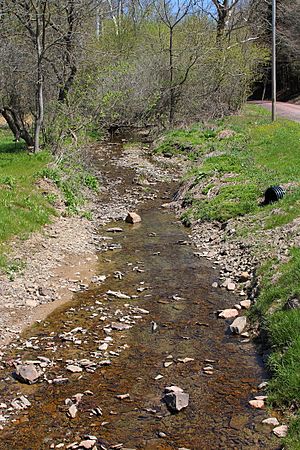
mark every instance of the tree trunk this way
{"type": "Point", "coordinates": [17, 126]}
{"type": "Point", "coordinates": [40, 41]}
{"type": "Point", "coordinates": [40, 113]}
{"type": "Point", "coordinates": [171, 80]}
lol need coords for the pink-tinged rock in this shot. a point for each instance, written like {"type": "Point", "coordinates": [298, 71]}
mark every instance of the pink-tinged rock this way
{"type": "Point", "coordinates": [258, 404]}
{"type": "Point", "coordinates": [28, 373]}
{"type": "Point", "coordinates": [230, 287]}
{"type": "Point", "coordinates": [271, 421]}
{"type": "Point", "coordinates": [72, 411]}
{"type": "Point", "coordinates": [246, 304]}
{"type": "Point", "coordinates": [228, 313]}
{"type": "Point", "coordinates": [73, 368]}
{"type": "Point", "coordinates": [88, 443]}
{"type": "Point", "coordinates": [281, 431]}
{"type": "Point", "coordinates": [133, 217]}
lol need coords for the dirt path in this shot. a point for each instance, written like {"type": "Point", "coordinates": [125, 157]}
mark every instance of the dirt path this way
{"type": "Point", "coordinates": [287, 110]}
{"type": "Point", "coordinates": [161, 330]}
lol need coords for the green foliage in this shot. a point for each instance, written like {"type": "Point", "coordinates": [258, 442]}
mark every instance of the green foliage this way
{"type": "Point", "coordinates": [23, 208]}
{"type": "Point", "coordinates": [259, 155]}
{"type": "Point", "coordinates": [192, 142]}
{"type": "Point", "coordinates": [283, 328]}
{"type": "Point", "coordinates": [70, 177]}
{"type": "Point", "coordinates": [292, 441]}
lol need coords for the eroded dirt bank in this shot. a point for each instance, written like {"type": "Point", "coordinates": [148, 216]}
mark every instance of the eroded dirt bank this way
{"type": "Point", "coordinates": [147, 322]}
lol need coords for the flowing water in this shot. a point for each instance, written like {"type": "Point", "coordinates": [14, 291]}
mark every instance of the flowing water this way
{"type": "Point", "coordinates": [154, 255]}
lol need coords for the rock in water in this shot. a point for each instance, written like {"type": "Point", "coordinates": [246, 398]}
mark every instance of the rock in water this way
{"type": "Point", "coordinates": [238, 325]}
{"type": "Point", "coordinates": [228, 313]}
{"type": "Point", "coordinates": [72, 411]}
{"type": "Point", "coordinates": [175, 399]}
{"type": "Point", "coordinates": [28, 373]}
{"type": "Point", "coordinates": [258, 404]}
{"type": "Point", "coordinates": [133, 217]}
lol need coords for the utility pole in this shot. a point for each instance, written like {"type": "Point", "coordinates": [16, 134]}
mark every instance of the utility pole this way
{"type": "Point", "coordinates": [274, 90]}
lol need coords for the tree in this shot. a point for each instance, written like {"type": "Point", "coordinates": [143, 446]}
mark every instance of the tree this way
{"type": "Point", "coordinates": [49, 32]}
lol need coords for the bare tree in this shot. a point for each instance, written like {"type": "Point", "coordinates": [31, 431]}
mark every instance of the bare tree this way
{"type": "Point", "coordinates": [171, 16]}
{"type": "Point", "coordinates": [49, 30]}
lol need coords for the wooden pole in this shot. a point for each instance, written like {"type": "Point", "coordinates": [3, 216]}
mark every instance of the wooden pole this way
{"type": "Point", "coordinates": [274, 89]}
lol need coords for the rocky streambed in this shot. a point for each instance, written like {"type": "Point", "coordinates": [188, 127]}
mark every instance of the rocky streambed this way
{"type": "Point", "coordinates": [139, 359]}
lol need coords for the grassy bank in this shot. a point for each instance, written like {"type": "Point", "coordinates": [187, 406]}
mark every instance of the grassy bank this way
{"type": "Point", "coordinates": [24, 207]}
{"type": "Point", "coordinates": [234, 161]}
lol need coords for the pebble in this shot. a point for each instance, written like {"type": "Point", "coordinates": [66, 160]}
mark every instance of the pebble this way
{"type": "Point", "coordinates": [271, 421]}
{"type": "Point", "coordinates": [228, 313]}
{"type": "Point", "coordinates": [88, 443]}
{"type": "Point", "coordinates": [168, 363]}
{"type": "Point", "coordinates": [246, 304]}
{"type": "Point", "coordinates": [122, 396]}
{"type": "Point", "coordinates": [158, 377]}
{"type": "Point", "coordinates": [72, 411]}
{"type": "Point", "coordinates": [185, 360]}
{"type": "Point", "coordinates": [74, 369]}
{"type": "Point", "coordinates": [281, 431]}
{"type": "Point", "coordinates": [118, 294]}
{"type": "Point", "coordinates": [120, 326]}
{"type": "Point", "coordinates": [258, 404]}
{"type": "Point", "coordinates": [230, 286]}
{"type": "Point", "coordinates": [161, 434]}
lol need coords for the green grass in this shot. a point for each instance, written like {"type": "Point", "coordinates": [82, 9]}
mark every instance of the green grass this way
{"type": "Point", "coordinates": [239, 169]}
{"type": "Point", "coordinates": [283, 330]}
{"type": "Point", "coordinates": [259, 155]}
{"type": "Point", "coordinates": [23, 208]}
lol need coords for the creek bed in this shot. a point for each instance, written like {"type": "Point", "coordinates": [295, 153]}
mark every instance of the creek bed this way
{"type": "Point", "coordinates": [161, 274]}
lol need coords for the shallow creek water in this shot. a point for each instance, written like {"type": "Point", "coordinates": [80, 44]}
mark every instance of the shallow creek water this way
{"type": "Point", "coordinates": [218, 416]}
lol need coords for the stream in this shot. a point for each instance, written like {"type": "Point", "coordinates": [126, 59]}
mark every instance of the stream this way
{"type": "Point", "coordinates": [171, 315]}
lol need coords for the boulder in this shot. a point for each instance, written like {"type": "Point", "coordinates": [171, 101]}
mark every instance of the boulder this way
{"type": "Point", "coordinates": [176, 401]}
{"type": "Point", "coordinates": [133, 217]}
{"type": "Point", "coordinates": [28, 373]}
{"type": "Point", "coordinates": [238, 325]}
{"type": "Point", "coordinates": [175, 398]}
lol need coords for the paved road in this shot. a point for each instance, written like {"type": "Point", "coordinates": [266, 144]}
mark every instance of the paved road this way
{"type": "Point", "coordinates": [287, 110]}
